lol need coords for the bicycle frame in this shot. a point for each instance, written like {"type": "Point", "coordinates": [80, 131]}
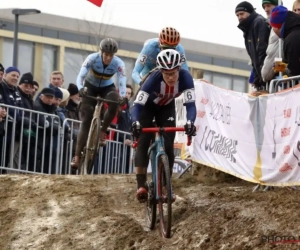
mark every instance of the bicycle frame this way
{"type": "Point", "coordinates": [157, 149]}
{"type": "Point", "coordinates": [161, 180]}
{"type": "Point", "coordinates": [92, 145]}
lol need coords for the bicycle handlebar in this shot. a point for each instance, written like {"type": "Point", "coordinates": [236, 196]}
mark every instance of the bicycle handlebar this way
{"type": "Point", "coordinates": [163, 129]}
{"type": "Point", "coordinates": [98, 98]}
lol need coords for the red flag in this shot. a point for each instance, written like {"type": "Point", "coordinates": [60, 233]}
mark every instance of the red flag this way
{"type": "Point", "coordinates": [96, 2]}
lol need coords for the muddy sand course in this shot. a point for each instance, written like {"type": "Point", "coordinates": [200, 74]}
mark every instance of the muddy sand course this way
{"type": "Point", "coordinates": [75, 212]}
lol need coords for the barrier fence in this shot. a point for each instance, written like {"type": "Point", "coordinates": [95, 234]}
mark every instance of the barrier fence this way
{"type": "Point", "coordinates": [37, 142]}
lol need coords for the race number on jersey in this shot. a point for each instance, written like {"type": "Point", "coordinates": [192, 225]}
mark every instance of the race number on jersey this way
{"type": "Point", "coordinates": [182, 58]}
{"type": "Point", "coordinates": [143, 59]}
{"type": "Point", "coordinates": [142, 98]}
{"type": "Point", "coordinates": [189, 95]}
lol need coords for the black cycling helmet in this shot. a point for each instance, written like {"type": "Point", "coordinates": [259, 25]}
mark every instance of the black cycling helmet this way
{"type": "Point", "coordinates": [109, 45]}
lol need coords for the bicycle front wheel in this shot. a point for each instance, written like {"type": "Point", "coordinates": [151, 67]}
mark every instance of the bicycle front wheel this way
{"type": "Point", "coordinates": [91, 149]}
{"type": "Point", "coordinates": [150, 206]}
{"type": "Point", "coordinates": [165, 194]}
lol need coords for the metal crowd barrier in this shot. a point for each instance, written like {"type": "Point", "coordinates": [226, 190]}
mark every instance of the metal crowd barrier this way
{"type": "Point", "coordinates": [35, 146]}
{"type": "Point", "coordinates": [277, 85]}
{"type": "Point", "coordinates": [29, 141]}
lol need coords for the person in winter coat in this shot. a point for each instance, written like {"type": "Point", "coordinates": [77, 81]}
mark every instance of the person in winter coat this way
{"type": "Point", "coordinates": [11, 96]}
{"type": "Point", "coordinates": [286, 24]}
{"type": "Point", "coordinates": [256, 34]}
{"type": "Point", "coordinates": [50, 128]}
{"type": "Point", "coordinates": [29, 124]}
{"type": "Point", "coordinates": [1, 72]}
{"type": "Point", "coordinates": [267, 71]}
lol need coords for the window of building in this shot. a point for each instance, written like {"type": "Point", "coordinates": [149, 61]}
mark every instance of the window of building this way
{"type": "Point", "coordinates": [208, 76]}
{"type": "Point", "coordinates": [222, 62]}
{"type": "Point", "coordinates": [222, 80]}
{"type": "Point", "coordinates": [240, 84]}
{"type": "Point", "coordinates": [241, 65]}
{"type": "Point", "coordinates": [49, 62]}
{"type": "Point", "coordinates": [72, 64]}
{"type": "Point", "coordinates": [25, 55]}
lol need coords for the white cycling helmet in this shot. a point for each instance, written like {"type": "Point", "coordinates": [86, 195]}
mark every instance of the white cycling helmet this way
{"type": "Point", "coordinates": [168, 59]}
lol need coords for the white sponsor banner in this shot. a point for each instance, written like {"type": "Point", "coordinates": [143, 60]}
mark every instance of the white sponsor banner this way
{"type": "Point", "coordinates": [256, 139]}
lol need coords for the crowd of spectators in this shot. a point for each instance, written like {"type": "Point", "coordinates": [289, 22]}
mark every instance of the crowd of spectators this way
{"type": "Point", "coordinates": [35, 134]}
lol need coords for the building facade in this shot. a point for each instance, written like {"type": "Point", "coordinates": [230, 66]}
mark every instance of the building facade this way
{"type": "Point", "coordinates": [48, 42]}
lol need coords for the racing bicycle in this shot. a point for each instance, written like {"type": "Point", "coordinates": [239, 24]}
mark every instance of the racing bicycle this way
{"type": "Point", "coordinates": [89, 153]}
{"type": "Point", "coordinates": [160, 190]}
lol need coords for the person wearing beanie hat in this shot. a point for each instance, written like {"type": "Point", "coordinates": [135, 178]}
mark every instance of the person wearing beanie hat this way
{"type": "Point", "coordinates": [73, 89]}
{"type": "Point", "coordinates": [256, 34]}
{"type": "Point", "coordinates": [11, 76]}
{"type": "Point", "coordinates": [1, 72]}
{"type": "Point", "coordinates": [26, 78]}
{"type": "Point", "coordinates": [267, 71]}
{"type": "Point", "coordinates": [269, 5]}
{"type": "Point", "coordinates": [65, 94]}
{"type": "Point", "coordinates": [58, 96]}
{"type": "Point", "coordinates": [286, 24]}
{"type": "Point", "coordinates": [12, 69]}
{"type": "Point", "coordinates": [25, 89]}
{"type": "Point", "coordinates": [278, 16]}
{"type": "Point", "coordinates": [245, 7]}
{"type": "Point", "coordinates": [74, 95]}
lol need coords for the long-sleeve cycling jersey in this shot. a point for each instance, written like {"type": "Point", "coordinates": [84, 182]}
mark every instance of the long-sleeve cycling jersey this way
{"type": "Point", "coordinates": [98, 75]}
{"type": "Point", "coordinates": [147, 59]}
{"type": "Point", "coordinates": [157, 91]}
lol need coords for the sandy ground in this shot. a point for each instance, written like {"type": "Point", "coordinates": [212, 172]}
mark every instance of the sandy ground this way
{"type": "Point", "coordinates": [100, 212]}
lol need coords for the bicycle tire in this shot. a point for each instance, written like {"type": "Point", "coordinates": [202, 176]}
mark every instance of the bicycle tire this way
{"type": "Point", "coordinates": [151, 206]}
{"type": "Point", "coordinates": [164, 179]}
{"type": "Point", "coordinates": [91, 148]}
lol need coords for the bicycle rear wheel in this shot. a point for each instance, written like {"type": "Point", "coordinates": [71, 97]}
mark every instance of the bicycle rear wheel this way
{"type": "Point", "coordinates": [91, 148]}
{"type": "Point", "coordinates": [150, 206]}
{"type": "Point", "coordinates": [165, 193]}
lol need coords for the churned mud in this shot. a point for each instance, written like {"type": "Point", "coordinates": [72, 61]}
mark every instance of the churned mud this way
{"type": "Point", "coordinates": [100, 212]}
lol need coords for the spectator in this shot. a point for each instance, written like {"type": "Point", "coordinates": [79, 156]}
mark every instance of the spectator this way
{"type": "Point", "coordinates": [35, 89]}
{"type": "Point", "coordinates": [11, 97]}
{"type": "Point", "coordinates": [72, 107]}
{"type": "Point", "coordinates": [61, 111]}
{"type": "Point", "coordinates": [286, 24]}
{"type": "Point", "coordinates": [119, 142]}
{"type": "Point", "coordinates": [72, 112]}
{"type": "Point", "coordinates": [267, 71]}
{"type": "Point", "coordinates": [129, 94]}
{"type": "Point", "coordinates": [256, 34]}
{"type": "Point", "coordinates": [296, 7]}
{"type": "Point", "coordinates": [2, 129]}
{"type": "Point", "coordinates": [1, 72]}
{"type": "Point", "coordinates": [29, 122]}
{"type": "Point", "coordinates": [45, 104]}
{"type": "Point", "coordinates": [56, 79]}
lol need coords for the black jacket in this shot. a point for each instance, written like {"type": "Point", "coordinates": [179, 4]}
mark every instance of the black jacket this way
{"type": "Point", "coordinates": [11, 96]}
{"type": "Point", "coordinates": [256, 34]}
{"type": "Point", "coordinates": [49, 109]}
{"type": "Point", "coordinates": [291, 45]}
{"type": "Point", "coordinates": [27, 104]}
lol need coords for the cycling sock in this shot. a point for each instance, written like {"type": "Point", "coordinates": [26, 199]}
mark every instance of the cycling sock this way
{"type": "Point", "coordinates": [141, 180]}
